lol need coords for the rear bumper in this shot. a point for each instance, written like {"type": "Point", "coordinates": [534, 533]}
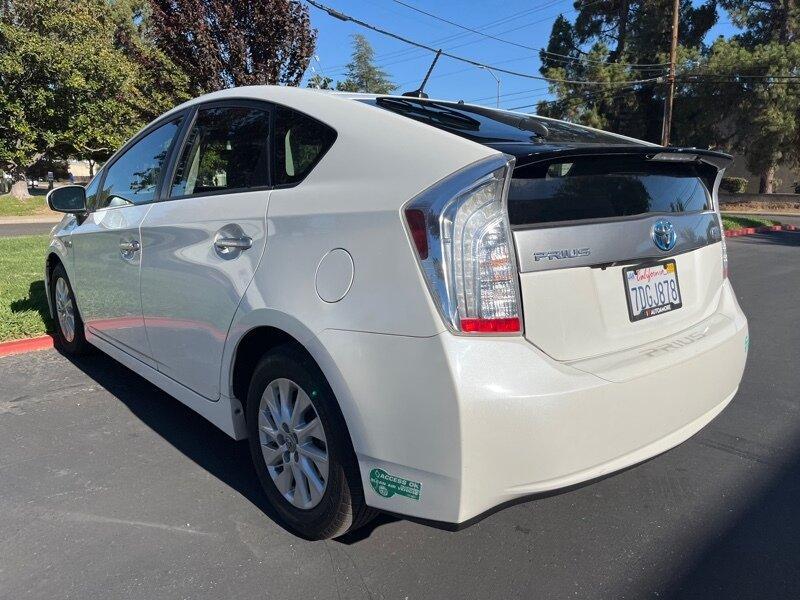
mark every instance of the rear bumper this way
{"type": "Point", "coordinates": [478, 423]}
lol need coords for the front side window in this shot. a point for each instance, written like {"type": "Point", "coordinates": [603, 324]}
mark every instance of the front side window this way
{"type": "Point", "coordinates": [134, 176]}
{"type": "Point", "coordinates": [300, 143]}
{"type": "Point", "coordinates": [91, 191]}
{"type": "Point", "coordinates": [227, 149]}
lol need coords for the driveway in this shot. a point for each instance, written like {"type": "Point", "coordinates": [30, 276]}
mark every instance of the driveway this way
{"type": "Point", "coordinates": [109, 488]}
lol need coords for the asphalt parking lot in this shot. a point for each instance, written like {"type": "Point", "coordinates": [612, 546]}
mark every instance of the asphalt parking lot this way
{"type": "Point", "coordinates": [109, 488]}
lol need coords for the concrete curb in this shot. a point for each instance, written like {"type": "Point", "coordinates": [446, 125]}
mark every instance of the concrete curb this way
{"type": "Point", "coordinates": [764, 229]}
{"type": "Point", "coordinates": [43, 342]}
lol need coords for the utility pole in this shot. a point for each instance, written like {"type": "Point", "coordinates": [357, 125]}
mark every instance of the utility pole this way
{"type": "Point", "coordinates": [673, 50]}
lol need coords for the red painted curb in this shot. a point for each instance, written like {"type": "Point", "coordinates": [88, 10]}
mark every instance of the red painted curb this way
{"type": "Point", "coordinates": [29, 345]}
{"type": "Point", "coordinates": [763, 229]}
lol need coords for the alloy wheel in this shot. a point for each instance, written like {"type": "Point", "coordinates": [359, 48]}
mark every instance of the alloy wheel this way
{"type": "Point", "coordinates": [65, 310]}
{"type": "Point", "coordinates": [293, 443]}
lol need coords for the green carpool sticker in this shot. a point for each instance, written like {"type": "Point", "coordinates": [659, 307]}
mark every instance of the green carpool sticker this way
{"type": "Point", "coordinates": [388, 485]}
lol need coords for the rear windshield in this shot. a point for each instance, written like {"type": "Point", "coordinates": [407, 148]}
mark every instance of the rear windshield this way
{"type": "Point", "coordinates": [488, 125]}
{"type": "Point", "coordinates": [604, 187]}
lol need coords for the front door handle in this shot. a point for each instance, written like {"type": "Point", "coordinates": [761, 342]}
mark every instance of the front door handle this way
{"type": "Point", "coordinates": [130, 247]}
{"type": "Point", "coordinates": [233, 243]}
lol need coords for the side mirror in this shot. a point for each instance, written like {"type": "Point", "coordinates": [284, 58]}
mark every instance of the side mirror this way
{"type": "Point", "coordinates": [67, 199]}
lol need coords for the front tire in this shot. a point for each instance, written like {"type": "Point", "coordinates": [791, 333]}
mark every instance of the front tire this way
{"type": "Point", "coordinates": [69, 334]}
{"type": "Point", "coordinates": [301, 449]}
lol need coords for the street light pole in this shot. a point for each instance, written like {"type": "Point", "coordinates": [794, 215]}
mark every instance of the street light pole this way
{"type": "Point", "coordinates": [673, 49]}
{"type": "Point", "coordinates": [497, 79]}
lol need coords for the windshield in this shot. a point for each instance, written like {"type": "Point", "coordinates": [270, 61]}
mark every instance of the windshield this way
{"type": "Point", "coordinates": [489, 125]}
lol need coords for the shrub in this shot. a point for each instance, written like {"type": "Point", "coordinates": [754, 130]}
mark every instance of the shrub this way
{"type": "Point", "coordinates": [733, 185]}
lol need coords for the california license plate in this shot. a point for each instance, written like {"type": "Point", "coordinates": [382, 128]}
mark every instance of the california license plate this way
{"type": "Point", "coordinates": [652, 289]}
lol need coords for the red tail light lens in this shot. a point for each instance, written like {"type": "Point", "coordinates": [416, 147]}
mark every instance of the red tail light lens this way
{"type": "Point", "coordinates": [416, 225]}
{"type": "Point", "coordinates": [511, 325]}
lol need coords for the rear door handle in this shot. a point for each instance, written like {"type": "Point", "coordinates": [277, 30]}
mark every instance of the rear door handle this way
{"type": "Point", "coordinates": [233, 243]}
{"type": "Point", "coordinates": [130, 247]}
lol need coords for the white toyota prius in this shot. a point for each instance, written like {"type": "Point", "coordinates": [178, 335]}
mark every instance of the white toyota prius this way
{"type": "Point", "coordinates": [421, 307]}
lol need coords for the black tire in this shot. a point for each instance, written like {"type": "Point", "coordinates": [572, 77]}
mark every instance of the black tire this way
{"type": "Point", "coordinates": [78, 344]}
{"type": "Point", "coordinates": [342, 506]}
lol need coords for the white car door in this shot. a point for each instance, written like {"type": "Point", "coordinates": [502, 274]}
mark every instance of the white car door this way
{"type": "Point", "coordinates": [107, 245]}
{"type": "Point", "coordinates": [203, 243]}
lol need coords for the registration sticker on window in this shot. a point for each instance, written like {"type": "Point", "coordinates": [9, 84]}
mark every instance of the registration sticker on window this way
{"type": "Point", "coordinates": [652, 289]}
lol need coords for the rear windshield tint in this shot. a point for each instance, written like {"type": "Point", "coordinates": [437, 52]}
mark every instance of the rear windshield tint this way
{"type": "Point", "coordinates": [604, 188]}
{"type": "Point", "coordinates": [488, 125]}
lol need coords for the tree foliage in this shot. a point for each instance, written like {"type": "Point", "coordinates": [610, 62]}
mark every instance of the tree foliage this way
{"type": "Point", "coordinates": [363, 75]}
{"type": "Point", "coordinates": [77, 79]}
{"type": "Point", "coordinates": [614, 42]}
{"type": "Point", "coordinates": [729, 95]}
{"type": "Point", "coordinates": [221, 44]}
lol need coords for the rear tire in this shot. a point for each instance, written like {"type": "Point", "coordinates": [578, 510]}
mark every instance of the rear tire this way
{"type": "Point", "coordinates": [294, 424]}
{"type": "Point", "coordinates": [69, 334]}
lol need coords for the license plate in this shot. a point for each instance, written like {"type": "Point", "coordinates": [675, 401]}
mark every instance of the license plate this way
{"type": "Point", "coordinates": [652, 289]}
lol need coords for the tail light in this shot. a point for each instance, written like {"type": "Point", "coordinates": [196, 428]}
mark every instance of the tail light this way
{"type": "Point", "coordinates": [460, 231]}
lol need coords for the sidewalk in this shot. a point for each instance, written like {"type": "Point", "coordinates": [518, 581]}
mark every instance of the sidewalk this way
{"type": "Point", "coordinates": [52, 217]}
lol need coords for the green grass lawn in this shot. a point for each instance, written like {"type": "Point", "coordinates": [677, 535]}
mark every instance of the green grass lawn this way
{"type": "Point", "coordinates": [23, 305]}
{"type": "Point", "coordinates": [736, 222]}
{"type": "Point", "coordinates": [13, 207]}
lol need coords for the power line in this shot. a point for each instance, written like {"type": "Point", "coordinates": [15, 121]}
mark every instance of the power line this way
{"type": "Point", "coordinates": [591, 60]}
{"type": "Point", "coordinates": [390, 56]}
{"type": "Point", "coordinates": [344, 17]}
{"type": "Point", "coordinates": [512, 43]}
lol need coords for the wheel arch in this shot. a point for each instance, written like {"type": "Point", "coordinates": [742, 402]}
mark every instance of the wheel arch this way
{"type": "Point", "coordinates": [266, 329]}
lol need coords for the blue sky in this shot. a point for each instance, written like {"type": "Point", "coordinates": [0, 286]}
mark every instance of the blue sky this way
{"type": "Point", "coordinates": [523, 21]}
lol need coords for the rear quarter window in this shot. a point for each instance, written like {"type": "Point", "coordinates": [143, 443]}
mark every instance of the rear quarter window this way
{"type": "Point", "coordinates": [300, 143]}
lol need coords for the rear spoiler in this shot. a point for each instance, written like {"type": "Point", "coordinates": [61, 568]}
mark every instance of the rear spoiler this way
{"type": "Point", "coordinates": [718, 160]}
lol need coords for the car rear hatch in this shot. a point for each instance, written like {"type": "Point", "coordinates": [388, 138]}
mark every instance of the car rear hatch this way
{"type": "Point", "coordinates": [618, 243]}
{"type": "Point", "coordinates": [616, 247]}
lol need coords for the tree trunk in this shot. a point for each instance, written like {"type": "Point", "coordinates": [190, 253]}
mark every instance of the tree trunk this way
{"type": "Point", "coordinates": [20, 189]}
{"type": "Point", "coordinates": [766, 185]}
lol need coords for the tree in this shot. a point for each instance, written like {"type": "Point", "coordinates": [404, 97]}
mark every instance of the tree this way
{"type": "Point", "coordinates": [608, 42]}
{"type": "Point", "coordinates": [765, 21]}
{"type": "Point", "coordinates": [320, 82]}
{"type": "Point", "coordinates": [221, 44]}
{"type": "Point", "coordinates": [76, 79]}
{"type": "Point", "coordinates": [363, 75]}
{"type": "Point", "coordinates": [740, 92]}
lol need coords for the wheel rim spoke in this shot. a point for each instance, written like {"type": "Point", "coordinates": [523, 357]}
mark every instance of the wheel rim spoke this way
{"type": "Point", "coordinates": [293, 443]}
{"type": "Point", "coordinates": [283, 480]}
{"type": "Point", "coordinates": [311, 429]}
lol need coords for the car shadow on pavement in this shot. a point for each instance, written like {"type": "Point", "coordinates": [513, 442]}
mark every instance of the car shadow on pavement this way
{"type": "Point", "coordinates": [757, 555]}
{"type": "Point", "coordinates": [195, 437]}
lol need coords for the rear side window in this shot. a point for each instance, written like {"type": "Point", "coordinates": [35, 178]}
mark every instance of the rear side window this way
{"type": "Point", "coordinates": [227, 149]}
{"type": "Point", "coordinates": [300, 143]}
{"type": "Point", "coordinates": [604, 187]}
{"type": "Point", "coordinates": [134, 177]}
